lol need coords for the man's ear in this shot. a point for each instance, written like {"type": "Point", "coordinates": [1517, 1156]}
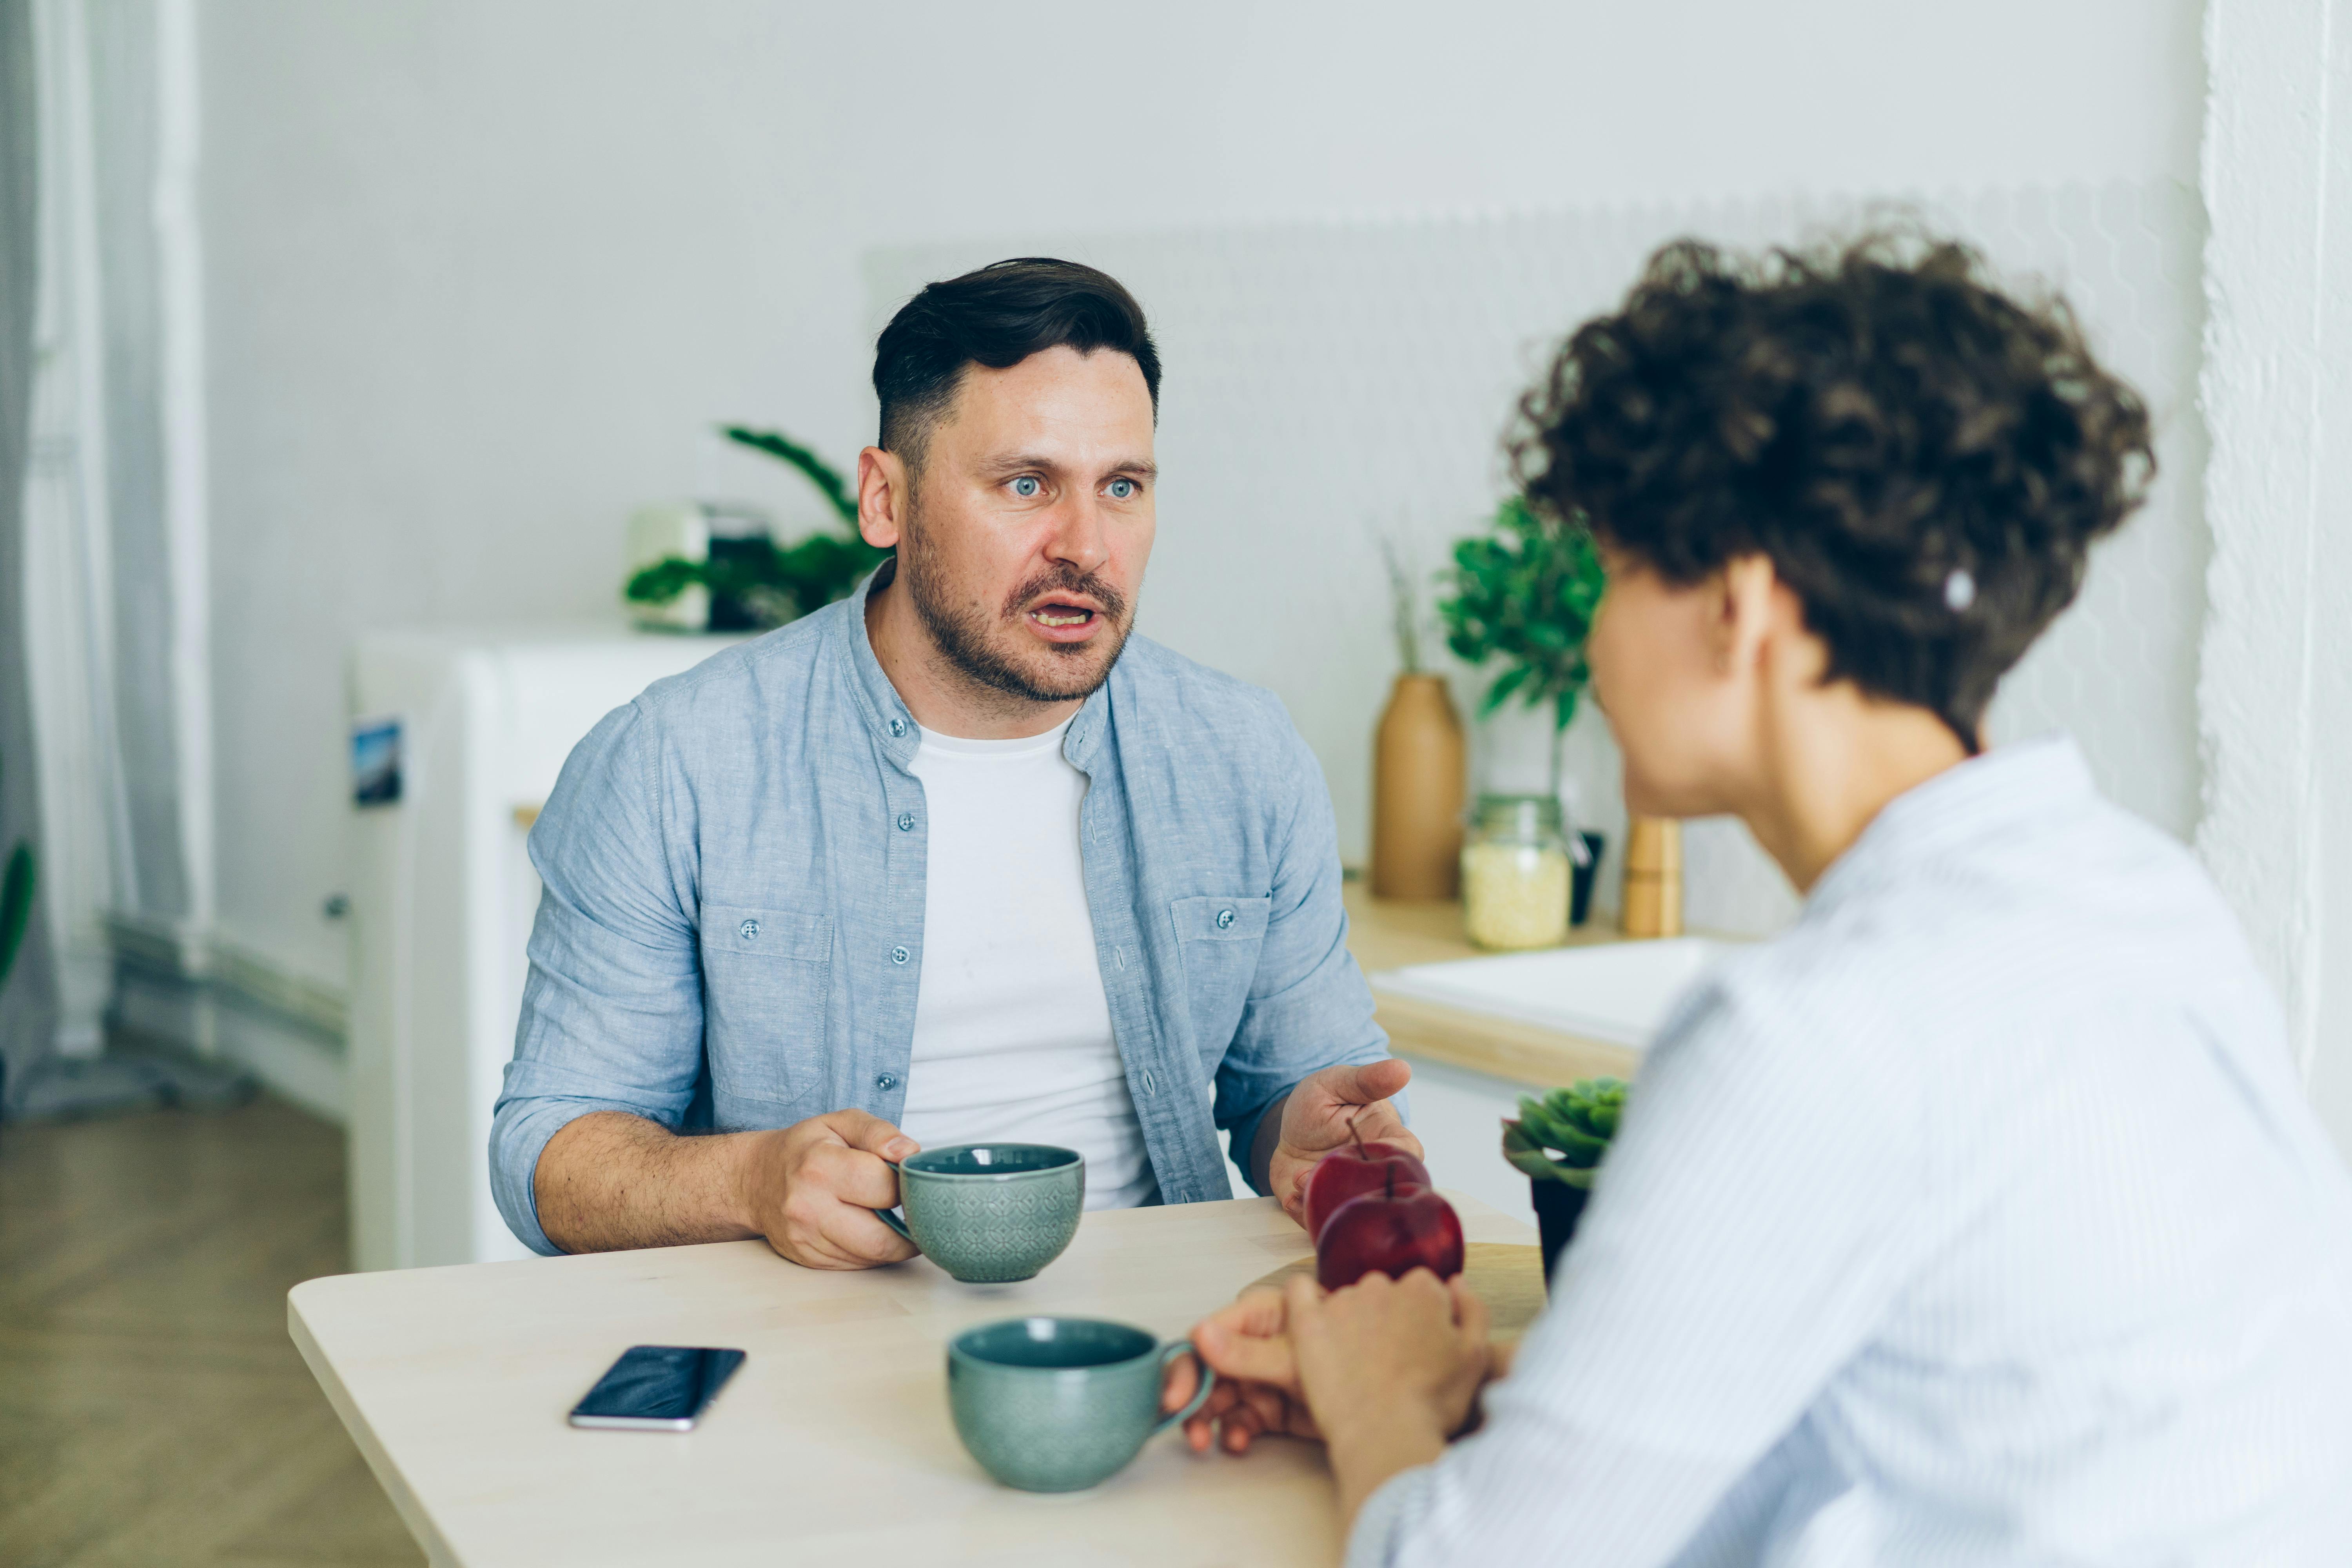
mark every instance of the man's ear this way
{"type": "Point", "coordinates": [883, 489]}
{"type": "Point", "coordinates": [1743, 611]}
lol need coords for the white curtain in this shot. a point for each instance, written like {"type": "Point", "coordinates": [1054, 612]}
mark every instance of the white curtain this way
{"type": "Point", "coordinates": [111, 622]}
{"type": "Point", "coordinates": [27, 997]}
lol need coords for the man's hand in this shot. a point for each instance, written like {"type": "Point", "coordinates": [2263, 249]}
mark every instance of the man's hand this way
{"type": "Point", "coordinates": [1315, 1120]}
{"type": "Point", "coordinates": [811, 1189]}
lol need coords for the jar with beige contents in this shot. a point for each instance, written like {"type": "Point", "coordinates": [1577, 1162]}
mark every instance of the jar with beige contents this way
{"type": "Point", "coordinates": [1517, 873]}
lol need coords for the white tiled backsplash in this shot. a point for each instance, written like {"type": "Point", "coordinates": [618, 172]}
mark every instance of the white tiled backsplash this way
{"type": "Point", "coordinates": [1329, 383]}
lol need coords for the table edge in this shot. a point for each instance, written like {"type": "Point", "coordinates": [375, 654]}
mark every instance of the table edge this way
{"type": "Point", "coordinates": [405, 1502]}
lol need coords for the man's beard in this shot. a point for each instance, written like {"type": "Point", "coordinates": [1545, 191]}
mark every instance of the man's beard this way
{"type": "Point", "coordinates": [961, 632]}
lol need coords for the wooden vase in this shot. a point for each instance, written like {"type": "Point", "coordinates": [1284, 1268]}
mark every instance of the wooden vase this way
{"type": "Point", "coordinates": [1653, 877]}
{"type": "Point", "coordinates": [1420, 770]}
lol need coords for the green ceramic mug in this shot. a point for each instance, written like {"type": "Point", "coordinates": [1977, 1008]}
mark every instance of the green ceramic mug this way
{"type": "Point", "coordinates": [1056, 1405]}
{"type": "Point", "coordinates": [991, 1213]}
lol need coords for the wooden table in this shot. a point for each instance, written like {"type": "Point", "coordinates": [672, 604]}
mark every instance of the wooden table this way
{"type": "Point", "coordinates": [1389, 933]}
{"type": "Point", "coordinates": [833, 1444]}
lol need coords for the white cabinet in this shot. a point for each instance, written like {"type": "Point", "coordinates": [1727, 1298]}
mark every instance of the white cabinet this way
{"type": "Point", "coordinates": [443, 896]}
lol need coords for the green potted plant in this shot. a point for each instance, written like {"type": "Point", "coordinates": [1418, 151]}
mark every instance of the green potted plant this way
{"type": "Point", "coordinates": [1523, 592]}
{"type": "Point", "coordinates": [772, 584]}
{"type": "Point", "coordinates": [1559, 1141]}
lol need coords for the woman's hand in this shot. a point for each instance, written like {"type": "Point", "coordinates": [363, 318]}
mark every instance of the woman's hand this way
{"type": "Point", "coordinates": [1257, 1377]}
{"type": "Point", "coordinates": [1389, 1368]}
{"type": "Point", "coordinates": [1405, 1357]}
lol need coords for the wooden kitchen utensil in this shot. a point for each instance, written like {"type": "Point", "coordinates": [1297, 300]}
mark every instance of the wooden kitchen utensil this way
{"type": "Point", "coordinates": [1653, 877]}
{"type": "Point", "coordinates": [1420, 769]}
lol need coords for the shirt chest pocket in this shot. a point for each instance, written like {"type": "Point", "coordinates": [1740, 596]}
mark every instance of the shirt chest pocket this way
{"type": "Point", "coordinates": [767, 985]}
{"type": "Point", "coordinates": [1219, 939]}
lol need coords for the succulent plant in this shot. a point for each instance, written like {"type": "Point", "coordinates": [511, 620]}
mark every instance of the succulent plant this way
{"type": "Point", "coordinates": [1562, 1136]}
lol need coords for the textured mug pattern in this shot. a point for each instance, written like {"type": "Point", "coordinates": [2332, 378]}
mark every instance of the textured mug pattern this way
{"type": "Point", "coordinates": [987, 1232]}
{"type": "Point", "coordinates": [1062, 1428]}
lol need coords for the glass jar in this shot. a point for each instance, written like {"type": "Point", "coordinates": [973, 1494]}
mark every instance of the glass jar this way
{"type": "Point", "coordinates": [1515, 873]}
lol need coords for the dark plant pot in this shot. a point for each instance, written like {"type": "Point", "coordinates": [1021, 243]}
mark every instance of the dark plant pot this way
{"type": "Point", "coordinates": [1579, 888]}
{"type": "Point", "coordinates": [1557, 1208]}
{"type": "Point", "coordinates": [728, 612]}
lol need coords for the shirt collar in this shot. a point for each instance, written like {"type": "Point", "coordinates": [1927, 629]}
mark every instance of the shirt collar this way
{"type": "Point", "coordinates": [1983, 800]}
{"type": "Point", "coordinates": [893, 727]}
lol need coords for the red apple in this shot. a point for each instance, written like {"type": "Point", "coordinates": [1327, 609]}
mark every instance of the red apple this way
{"type": "Point", "coordinates": [1357, 1169]}
{"type": "Point", "coordinates": [1392, 1232]}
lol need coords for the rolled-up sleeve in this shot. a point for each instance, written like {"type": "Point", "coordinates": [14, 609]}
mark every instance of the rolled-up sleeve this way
{"type": "Point", "coordinates": [1309, 1006]}
{"type": "Point", "coordinates": [611, 1011]}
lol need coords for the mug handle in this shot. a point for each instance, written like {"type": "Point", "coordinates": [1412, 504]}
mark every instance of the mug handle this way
{"type": "Point", "coordinates": [891, 1219]}
{"type": "Point", "coordinates": [1200, 1395]}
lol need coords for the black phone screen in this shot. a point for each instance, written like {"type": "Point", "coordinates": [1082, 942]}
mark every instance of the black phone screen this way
{"type": "Point", "coordinates": [659, 1388]}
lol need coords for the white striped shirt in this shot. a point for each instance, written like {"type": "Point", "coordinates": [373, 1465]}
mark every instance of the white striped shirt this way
{"type": "Point", "coordinates": [1980, 1219]}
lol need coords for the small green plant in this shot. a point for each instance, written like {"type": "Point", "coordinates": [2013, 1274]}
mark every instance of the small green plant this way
{"type": "Point", "coordinates": [1525, 592]}
{"type": "Point", "coordinates": [17, 884]}
{"type": "Point", "coordinates": [1562, 1136]}
{"type": "Point", "coordinates": [778, 583]}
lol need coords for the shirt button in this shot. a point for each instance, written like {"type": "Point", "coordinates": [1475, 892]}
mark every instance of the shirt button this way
{"type": "Point", "coordinates": [900, 955]}
{"type": "Point", "coordinates": [748, 930]}
{"type": "Point", "coordinates": [885, 1082]}
{"type": "Point", "coordinates": [905, 822]}
{"type": "Point", "coordinates": [1225, 919]}
{"type": "Point", "coordinates": [897, 726]}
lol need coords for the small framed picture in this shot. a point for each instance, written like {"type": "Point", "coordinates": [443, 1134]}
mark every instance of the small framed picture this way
{"type": "Point", "coordinates": [375, 762]}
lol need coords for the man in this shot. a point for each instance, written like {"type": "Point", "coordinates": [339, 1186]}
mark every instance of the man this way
{"type": "Point", "coordinates": [956, 858]}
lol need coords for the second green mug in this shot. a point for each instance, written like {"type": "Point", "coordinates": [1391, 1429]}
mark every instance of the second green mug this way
{"type": "Point", "coordinates": [1057, 1405]}
{"type": "Point", "coordinates": [991, 1213]}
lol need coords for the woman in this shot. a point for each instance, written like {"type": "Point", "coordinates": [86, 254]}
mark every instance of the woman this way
{"type": "Point", "coordinates": [1980, 1217]}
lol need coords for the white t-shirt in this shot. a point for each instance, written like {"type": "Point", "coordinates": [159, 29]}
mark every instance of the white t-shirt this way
{"type": "Point", "coordinates": [1012, 1035]}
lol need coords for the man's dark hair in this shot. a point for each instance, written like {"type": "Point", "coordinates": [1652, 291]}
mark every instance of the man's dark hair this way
{"type": "Point", "coordinates": [1925, 461]}
{"type": "Point", "coordinates": [997, 317]}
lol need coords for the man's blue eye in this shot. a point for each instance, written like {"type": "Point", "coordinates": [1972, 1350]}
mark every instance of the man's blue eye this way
{"type": "Point", "coordinates": [1026, 488]}
{"type": "Point", "coordinates": [1122, 489]}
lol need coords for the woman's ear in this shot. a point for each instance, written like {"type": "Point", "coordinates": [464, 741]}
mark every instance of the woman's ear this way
{"type": "Point", "coordinates": [1740, 615]}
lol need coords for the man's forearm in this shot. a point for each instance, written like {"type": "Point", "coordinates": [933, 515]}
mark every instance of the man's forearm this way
{"type": "Point", "coordinates": [609, 1180]}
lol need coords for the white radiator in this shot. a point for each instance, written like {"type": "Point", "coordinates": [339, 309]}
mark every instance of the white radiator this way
{"type": "Point", "coordinates": [442, 899]}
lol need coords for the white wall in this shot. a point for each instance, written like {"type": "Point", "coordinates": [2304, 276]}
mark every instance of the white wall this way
{"type": "Point", "coordinates": [481, 274]}
{"type": "Point", "coordinates": [2276, 686]}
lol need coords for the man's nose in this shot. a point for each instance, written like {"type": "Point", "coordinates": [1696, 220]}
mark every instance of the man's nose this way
{"type": "Point", "coordinates": [1078, 535]}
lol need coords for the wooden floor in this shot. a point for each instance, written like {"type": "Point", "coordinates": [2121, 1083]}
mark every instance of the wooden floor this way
{"type": "Point", "coordinates": [153, 1411]}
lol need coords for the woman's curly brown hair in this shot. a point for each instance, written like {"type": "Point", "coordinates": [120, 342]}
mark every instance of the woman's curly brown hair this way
{"type": "Point", "coordinates": [1925, 459]}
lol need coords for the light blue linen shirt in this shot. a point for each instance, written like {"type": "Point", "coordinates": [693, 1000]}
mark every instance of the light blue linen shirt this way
{"type": "Point", "coordinates": [1980, 1220]}
{"type": "Point", "coordinates": [731, 930]}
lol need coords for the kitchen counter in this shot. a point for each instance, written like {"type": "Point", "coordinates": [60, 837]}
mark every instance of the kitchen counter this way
{"type": "Point", "coordinates": [1389, 933]}
{"type": "Point", "coordinates": [832, 1442]}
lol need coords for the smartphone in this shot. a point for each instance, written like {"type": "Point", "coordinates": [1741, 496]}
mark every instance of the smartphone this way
{"type": "Point", "coordinates": [657, 1388]}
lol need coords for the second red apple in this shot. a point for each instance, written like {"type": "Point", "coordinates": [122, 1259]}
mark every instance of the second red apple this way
{"type": "Point", "coordinates": [1392, 1232]}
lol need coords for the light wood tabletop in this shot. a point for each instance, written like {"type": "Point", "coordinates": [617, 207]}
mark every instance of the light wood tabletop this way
{"type": "Point", "coordinates": [833, 1437]}
{"type": "Point", "coordinates": [1389, 933]}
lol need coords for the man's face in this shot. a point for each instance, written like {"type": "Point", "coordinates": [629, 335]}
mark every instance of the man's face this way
{"type": "Point", "coordinates": [1031, 520]}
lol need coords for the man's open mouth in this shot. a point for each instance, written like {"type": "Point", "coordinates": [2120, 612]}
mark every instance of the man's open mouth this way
{"type": "Point", "coordinates": [1058, 615]}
